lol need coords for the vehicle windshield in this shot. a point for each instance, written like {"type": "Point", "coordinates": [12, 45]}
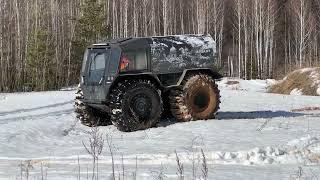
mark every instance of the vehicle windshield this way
{"type": "Point", "coordinates": [84, 62]}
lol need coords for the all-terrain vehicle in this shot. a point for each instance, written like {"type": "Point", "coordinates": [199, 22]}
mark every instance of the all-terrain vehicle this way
{"type": "Point", "coordinates": [130, 82]}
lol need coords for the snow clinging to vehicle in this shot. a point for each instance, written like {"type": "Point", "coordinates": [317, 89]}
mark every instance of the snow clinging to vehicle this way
{"type": "Point", "coordinates": [182, 51]}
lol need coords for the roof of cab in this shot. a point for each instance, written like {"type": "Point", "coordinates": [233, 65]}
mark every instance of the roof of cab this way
{"type": "Point", "coordinates": [123, 41]}
{"type": "Point", "coordinates": [118, 41]}
{"type": "Point", "coordinates": [112, 41]}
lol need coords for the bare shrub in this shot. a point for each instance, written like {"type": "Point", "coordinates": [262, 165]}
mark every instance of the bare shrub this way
{"type": "Point", "coordinates": [159, 174]}
{"type": "Point", "coordinates": [79, 169]}
{"type": "Point", "coordinates": [194, 155]}
{"type": "Point", "coordinates": [204, 169]}
{"type": "Point", "coordinates": [136, 170]}
{"type": "Point", "coordinates": [298, 174]}
{"type": "Point", "coordinates": [110, 148]}
{"type": "Point", "coordinates": [122, 165]}
{"type": "Point", "coordinates": [195, 165]}
{"type": "Point", "coordinates": [25, 168]}
{"type": "Point", "coordinates": [95, 147]}
{"type": "Point", "coordinates": [44, 173]}
{"type": "Point", "coordinates": [303, 174]}
{"type": "Point", "coordinates": [87, 173]}
{"type": "Point", "coordinates": [180, 169]}
{"type": "Point", "coordinates": [313, 157]}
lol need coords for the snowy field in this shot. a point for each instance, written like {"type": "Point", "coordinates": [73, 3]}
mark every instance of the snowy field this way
{"type": "Point", "coordinates": [256, 136]}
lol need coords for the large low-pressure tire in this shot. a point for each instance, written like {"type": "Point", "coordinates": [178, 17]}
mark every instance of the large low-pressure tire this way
{"type": "Point", "coordinates": [87, 115]}
{"type": "Point", "coordinates": [135, 105]}
{"type": "Point", "coordinates": [166, 114]}
{"type": "Point", "coordinates": [198, 98]}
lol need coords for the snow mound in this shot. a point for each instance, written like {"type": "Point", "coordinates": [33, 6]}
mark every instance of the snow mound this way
{"type": "Point", "coordinates": [300, 82]}
{"type": "Point", "coordinates": [297, 92]}
{"type": "Point", "coordinates": [254, 85]}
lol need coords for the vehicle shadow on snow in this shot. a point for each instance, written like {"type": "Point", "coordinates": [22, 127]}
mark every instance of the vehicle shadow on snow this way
{"type": "Point", "coordinates": [256, 115]}
{"type": "Point", "coordinates": [164, 122]}
{"type": "Point", "coordinates": [239, 115]}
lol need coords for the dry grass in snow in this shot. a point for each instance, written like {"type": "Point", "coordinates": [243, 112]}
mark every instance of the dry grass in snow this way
{"type": "Point", "coordinates": [300, 82]}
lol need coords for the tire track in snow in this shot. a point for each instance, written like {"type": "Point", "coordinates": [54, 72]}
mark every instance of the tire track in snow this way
{"type": "Point", "coordinates": [36, 108]}
{"type": "Point", "coordinates": [38, 116]}
{"type": "Point", "coordinates": [39, 112]}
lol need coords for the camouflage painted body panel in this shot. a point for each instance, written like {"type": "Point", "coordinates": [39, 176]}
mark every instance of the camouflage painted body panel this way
{"type": "Point", "coordinates": [172, 54]}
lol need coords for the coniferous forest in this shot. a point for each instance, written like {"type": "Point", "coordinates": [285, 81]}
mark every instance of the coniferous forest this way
{"type": "Point", "coordinates": [42, 41]}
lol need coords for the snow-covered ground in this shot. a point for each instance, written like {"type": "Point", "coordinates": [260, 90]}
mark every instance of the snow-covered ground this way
{"type": "Point", "coordinates": [256, 136]}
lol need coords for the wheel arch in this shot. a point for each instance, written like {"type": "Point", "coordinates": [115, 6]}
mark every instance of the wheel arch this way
{"type": "Point", "coordinates": [214, 74]}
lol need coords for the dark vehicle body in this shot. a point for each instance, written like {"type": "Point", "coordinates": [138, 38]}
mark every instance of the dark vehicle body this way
{"type": "Point", "coordinates": [164, 60]}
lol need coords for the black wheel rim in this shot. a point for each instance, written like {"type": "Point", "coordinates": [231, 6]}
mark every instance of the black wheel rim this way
{"type": "Point", "coordinates": [141, 106]}
{"type": "Point", "coordinates": [201, 101]}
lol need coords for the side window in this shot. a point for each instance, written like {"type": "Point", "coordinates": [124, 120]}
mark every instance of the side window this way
{"type": "Point", "coordinates": [141, 61]}
{"type": "Point", "coordinates": [97, 67]}
{"type": "Point", "coordinates": [136, 60]}
{"type": "Point", "coordinates": [98, 63]}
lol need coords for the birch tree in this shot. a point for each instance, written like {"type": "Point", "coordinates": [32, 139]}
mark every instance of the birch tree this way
{"type": "Point", "coordinates": [304, 27]}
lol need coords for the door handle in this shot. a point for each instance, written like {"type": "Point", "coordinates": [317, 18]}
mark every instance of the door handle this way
{"type": "Point", "coordinates": [101, 80]}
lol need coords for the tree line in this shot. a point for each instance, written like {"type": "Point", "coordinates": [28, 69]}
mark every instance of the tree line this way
{"type": "Point", "coordinates": [42, 41]}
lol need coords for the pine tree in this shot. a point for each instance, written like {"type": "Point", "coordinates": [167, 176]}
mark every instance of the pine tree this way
{"type": "Point", "coordinates": [40, 61]}
{"type": "Point", "coordinates": [90, 27]}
